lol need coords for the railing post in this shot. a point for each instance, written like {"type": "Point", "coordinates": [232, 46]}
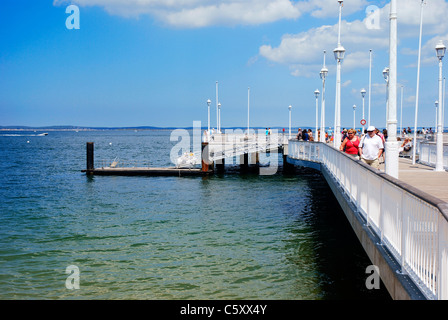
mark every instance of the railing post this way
{"type": "Point", "coordinates": [381, 215]}
{"type": "Point", "coordinates": [404, 234]}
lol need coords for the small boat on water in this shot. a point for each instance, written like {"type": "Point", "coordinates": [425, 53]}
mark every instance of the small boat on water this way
{"type": "Point", "coordinates": [42, 134]}
{"type": "Point", "coordinates": [187, 160]}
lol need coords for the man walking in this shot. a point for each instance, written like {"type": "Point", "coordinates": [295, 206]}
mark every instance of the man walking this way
{"type": "Point", "coordinates": [370, 148]}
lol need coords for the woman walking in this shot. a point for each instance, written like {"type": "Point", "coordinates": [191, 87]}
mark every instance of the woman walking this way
{"type": "Point", "coordinates": [350, 145]}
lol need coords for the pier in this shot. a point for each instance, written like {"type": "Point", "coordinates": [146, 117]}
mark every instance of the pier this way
{"type": "Point", "coordinates": [402, 224]}
{"type": "Point", "coordinates": [212, 158]}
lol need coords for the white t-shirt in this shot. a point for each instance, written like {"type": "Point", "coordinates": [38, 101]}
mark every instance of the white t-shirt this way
{"type": "Point", "coordinates": [371, 146]}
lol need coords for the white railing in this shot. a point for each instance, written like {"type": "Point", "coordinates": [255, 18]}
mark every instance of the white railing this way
{"type": "Point", "coordinates": [409, 224]}
{"type": "Point", "coordinates": [428, 153]}
{"type": "Point", "coordinates": [232, 145]}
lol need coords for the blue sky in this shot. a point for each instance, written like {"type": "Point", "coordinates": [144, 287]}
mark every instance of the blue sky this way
{"type": "Point", "coordinates": [156, 62]}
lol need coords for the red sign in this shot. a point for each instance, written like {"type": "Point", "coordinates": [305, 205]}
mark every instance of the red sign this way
{"type": "Point", "coordinates": [363, 122]}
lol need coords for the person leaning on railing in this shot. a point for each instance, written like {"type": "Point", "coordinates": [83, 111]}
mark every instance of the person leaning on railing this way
{"type": "Point", "coordinates": [350, 145]}
{"type": "Point", "coordinates": [371, 148]}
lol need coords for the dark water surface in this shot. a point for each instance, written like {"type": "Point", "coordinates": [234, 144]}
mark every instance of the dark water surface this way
{"type": "Point", "coordinates": [219, 237]}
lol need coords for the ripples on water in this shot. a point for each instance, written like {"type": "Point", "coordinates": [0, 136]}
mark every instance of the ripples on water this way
{"type": "Point", "coordinates": [220, 237]}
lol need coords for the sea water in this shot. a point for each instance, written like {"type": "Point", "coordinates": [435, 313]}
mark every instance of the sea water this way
{"type": "Point", "coordinates": [66, 235]}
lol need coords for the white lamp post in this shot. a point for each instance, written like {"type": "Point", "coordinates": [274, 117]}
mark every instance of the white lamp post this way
{"type": "Point", "coordinates": [391, 163]}
{"type": "Point", "coordinates": [208, 118]}
{"type": "Point", "coordinates": [316, 93]}
{"type": "Point", "coordinates": [386, 78]}
{"type": "Point", "coordinates": [219, 117]}
{"type": "Point", "coordinates": [418, 80]}
{"type": "Point", "coordinates": [323, 76]}
{"type": "Point", "coordinates": [217, 112]}
{"type": "Point", "coordinates": [354, 117]}
{"type": "Point", "coordinates": [290, 107]}
{"type": "Point", "coordinates": [370, 85]}
{"type": "Point", "coordinates": [440, 50]}
{"type": "Point", "coordinates": [339, 54]}
{"type": "Point", "coordinates": [363, 94]}
{"type": "Point", "coordinates": [435, 127]}
{"type": "Point", "coordinates": [401, 111]}
{"type": "Point", "coordinates": [248, 95]}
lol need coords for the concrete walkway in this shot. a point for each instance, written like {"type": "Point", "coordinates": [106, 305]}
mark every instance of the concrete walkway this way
{"type": "Point", "coordinates": [424, 178]}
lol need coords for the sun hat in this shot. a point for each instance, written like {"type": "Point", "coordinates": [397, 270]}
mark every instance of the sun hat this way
{"type": "Point", "coordinates": [371, 128]}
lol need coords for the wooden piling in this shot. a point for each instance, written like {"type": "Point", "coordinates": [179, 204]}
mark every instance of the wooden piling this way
{"type": "Point", "coordinates": [90, 158]}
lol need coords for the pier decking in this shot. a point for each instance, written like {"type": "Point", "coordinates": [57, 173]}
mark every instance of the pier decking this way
{"type": "Point", "coordinates": [424, 178]}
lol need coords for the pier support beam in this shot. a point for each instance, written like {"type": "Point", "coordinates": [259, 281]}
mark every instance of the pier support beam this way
{"type": "Point", "coordinates": [220, 166]}
{"type": "Point", "coordinates": [244, 162]}
{"type": "Point", "coordinates": [90, 156]}
{"type": "Point", "coordinates": [287, 167]}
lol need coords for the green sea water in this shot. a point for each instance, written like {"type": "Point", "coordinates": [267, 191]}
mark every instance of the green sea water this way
{"type": "Point", "coordinates": [230, 236]}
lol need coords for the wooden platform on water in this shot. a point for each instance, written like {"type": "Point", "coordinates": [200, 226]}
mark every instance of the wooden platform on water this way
{"type": "Point", "coordinates": [148, 171]}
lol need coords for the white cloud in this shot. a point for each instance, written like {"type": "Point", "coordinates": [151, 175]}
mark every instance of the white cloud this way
{"type": "Point", "coordinates": [330, 8]}
{"type": "Point", "coordinates": [301, 50]}
{"type": "Point", "coordinates": [200, 13]}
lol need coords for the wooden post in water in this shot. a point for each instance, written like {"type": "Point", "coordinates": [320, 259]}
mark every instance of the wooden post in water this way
{"type": "Point", "coordinates": [220, 165]}
{"type": "Point", "coordinates": [244, 162]}
{"type": "Point", "coordinates": [90, 162]}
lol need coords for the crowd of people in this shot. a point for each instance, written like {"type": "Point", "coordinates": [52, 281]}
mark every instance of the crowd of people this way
{"type": "Point", "coordinates": [367, 146]}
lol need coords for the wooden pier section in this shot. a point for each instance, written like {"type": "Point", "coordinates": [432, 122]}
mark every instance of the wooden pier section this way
{"type": "Point", "coordinates": [150, 171]}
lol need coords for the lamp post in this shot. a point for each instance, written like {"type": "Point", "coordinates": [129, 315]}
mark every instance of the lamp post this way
{"type": "Point", "coordinates": [386, 78]}
{"type": "Point", "coordinates": [208, 118]}
{"type": "Point", "coordinates": [440, 50]}
{"type": "Point", "coordinates": [219, 117]}
{"type": "Point", "coordinates": [354, 117]}
{"type": "Point", "coordinates": [435, 126]}
{"type": "Point", "coordinates": [339, 54]}
{"type": "Point", "coordinates": [418, 80]}
{"type": "Point", "coordinates": [323, 76]}
{"type": "Point", "coordinates": [217, 112]}
{"type": "Point", "coordinates": [370, 85]}
{"type": "Point", "coordinates": [316, 94]}
{"type": "Point", "coordinates": [363, 94]}
{"type": "Point", "coordinates": [391, 162]}
{"type": "Point", "coordinates": [290, 107]}
{"type": "Point", "coordinates": [248, 95]}
{"type": "Point", "coordinates": [401, 111]}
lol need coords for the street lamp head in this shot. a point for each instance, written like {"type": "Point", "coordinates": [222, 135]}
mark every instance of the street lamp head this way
{"type": "Point", "coordinates": [289, 108]}
{"type": "Point", "coordinates": [341, 2]}
{"type": "Point", "coordinates": [208, 102]}
{"type": "Point", "coordinates": [316, 93]}
{"type": "Point", "coordinates": [323, 73]}
{"type": "Point", "coordinates": [219, 105]}
{"type": "Point", "coordinates": [437, 103]}
{"type": "Point", "coordinates": [339, 53]}
{"type": "Point", "coordinates": [386, 73]}
{"type": "Point", "coordinates": [440, 50]}
{"type": "Point", "coordinates": [363, 92]}
{"type": "Point", "coordinates": [354, 107]}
